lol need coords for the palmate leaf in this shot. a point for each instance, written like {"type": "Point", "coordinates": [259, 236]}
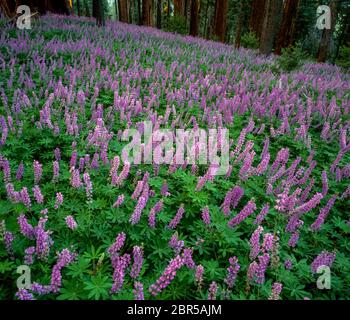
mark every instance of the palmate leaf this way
{"type": "Point", "coordinates": [98, 287]}
{"type": "Point", "coordinates": [78, 268]}
{"type": "Point", "coordinates": [71, 290]}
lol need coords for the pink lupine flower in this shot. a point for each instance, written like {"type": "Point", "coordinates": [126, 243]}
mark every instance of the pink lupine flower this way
{"type": "Point", "coordinates": [248, 209]}
{"type": "Point", "coordinates": [138, 260]}
{"type": "Point", "coordinates": [199, 275]}
{"type": "Point", "coordinates": [28, 258]}
{"type": "Point", "coordinates": [261, 216]}
{"type": "Point", "coordinates": [325, 258]}
{"type": "Point", "coordinates": [255, 243]}
{"type": "Point", "coordinates": [176, 244]}
{"type": "Point", "coordinates": [59, 200]}
{"type": "Point", "coordinates": [23, 294]}
{"type": "Point", "coordinates": [124, 174]}
{"type": "Point", "coordinates": [206, 215]}
{"type": "Point", "coordinates": [276, 291]}
{"type": "Point", "coordinates": [175, 221]}
{"type": "Point", "coordinates": [70, 222]}
{"type": "Point", "coordinates": [119, 201]}
{"type": "Point", "coordinates": [261, 268]}
{"type": "Point", "coordinates": [75, 180]}
{"type": "Point", "coordinates": [138, 291]}
{"type": "Point", "coordinates": [25, 197]}
{"type": "Point", "coordinates": [168, 275]}
{"type": "Point", "coordinates": [37, 195]}
{"type": "Point", "coordinates": [232, 271]}
{"type": "Point", "coordinates": [88, 186]}
{"type": "Point", "coordinates": [38, 171]}
{"type": "Point", "coordinates": [56, 171]}
{"type": "Point", "coordinates": [154, 211]}
{"type": "Point", "coordinates": [187, 257]}
{"type": "Point", "coordinates": [323, 214]}
{"type": "Point", "coordinates": [116, 246]}
{"type": "Point", "coordinates": [213, 290]}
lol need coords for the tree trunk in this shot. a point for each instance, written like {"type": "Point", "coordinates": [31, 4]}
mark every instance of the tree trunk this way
{"type": "Point", "coordinates": [168, 8]}
{"type": "Point", "coordinates": [257, 16]}
{"type": "Point", "coordinates": [221, 9]}
{"type": "Point", "coordinates": [239, 26]}
{"type": "Point", "coordinates": [78, 8]}
{"type": "Point", "coordinates": [273, 10]}
{"type": "Point", "coordinates": [116, 9]}
{"type": "Point", "coordinates": [178, 7]}
{"type": "Point", "coordinates": [194, 18]}
{"type": "Point", "coordinates": [327, 36]}
{"type": "Point", "coordinates": [147, 13]}
{"type": "Point", "coordinates": [123, 11]}
{"type": "Point", "coordinates": [139, 12]}
{"type": "Point", "coordinates": [130, 10]}
{"type": "Point", "coordinates": [98, 12]}
{"type": "Point", "coordinates": [206, 18]}
{"type": "Point", "coordinates": [159, 14]}
{"type": "Point", "coordinates": [286, 33]}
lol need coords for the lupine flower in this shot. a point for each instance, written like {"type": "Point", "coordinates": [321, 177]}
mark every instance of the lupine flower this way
{"type": "Point", "coordinates": [325, 258]}
{"type": "Point", "coordinates": [37, 195]}
{"type": "Point", "coordinates": [119, 201]}
{"type": "Point", "coordinates": [137, 190]}
{"type": "Point", "coordinates": [20, 171]}
{"type": "Point", "coordinates": [57, 152]}
{"type": "Point", "coordinates": [70, 222]}
{"type": "Point", "coordinates": [252, 271]}
{"type": "Point", "coordinates": [141, 204]}
{"type": "Point", "coordinates": [23, 294]}
{"type": "Point", "coordinates": [56, 171]}
{"type": "Point", "coordinates": [232, 272]}
{"type": "Point", "coordinates": [276, 291]}
{"type": "Point", "coordinates": [248, 209]}
{"type": "Point", "coordinates": [25, 197]}
{"type": "Point", "coordinates": [75, 180]}
{"type": "Point", "coordinates": [206, 215]}
{"type": "Point", "coordinates": [175, 221]}
{"type": "Point", "coordinates": [293, 240]}
{"type": "Point", "coordinates": [43, 240]}
{"type": "Point", "coordinates": [59, 200]}
{"type": "Point", "coordinates": [8, 239]}
{"type": "Point", "coordinates": [154, 211]}
{"type": "Point", "coordinates": [164, 191]}
{"type": "Point", "coordinates": [138, 291]}
{"type": "Point", "coordinates": [261, 216]}
{"type": "Point", "coordinates": [261, 268]}
{"type": "Point", "coordinates": [255, 243]}
{"type": "Point", "coordinates": [268, 242]}
{"type": "Point", "coordinates": [28, 258]}
{"type": "Point", "coordinates": [124, 174]}
{"type": "Point", "coordinates": [138, 260]}
{"type": "Point", "coordinates": [288, 264]}
{"type": "Point", "coordinates": [64, 258]}
{"type": "Point", "coordinates": [88, 186]}
{"type": "Point", "coordinates": [38, 171]}
{"type": "Point", "coordinates": [168, 275]}
{"type": "Point", "coordinates": [176, 244]}
{"type": "Point", "coordinates": [187, 258]}
{"type": "Point", "coordinates": [308, 206]}
{"type": "Point", "coordinates": [323, 214]}
{"type": "Point", "coordinates": [26, 229]}
{"type": "Point", "coordinates": [324, 183]}
{"type": "Point", "coordinates": [199, 275]}
{"type": "Point", "coordinates": [213, 290]}
{"type": "Point", "coordinates": [73, 159]}
{"type": "Point", "coordinates": [119, 242]}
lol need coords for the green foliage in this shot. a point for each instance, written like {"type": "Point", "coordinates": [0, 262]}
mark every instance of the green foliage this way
{"type": "Point", "coordinates": [344, 57]}
{"type": "Point", "coordinates": [249, 40]}
{"type": "Point", "coordinates": [176, 24]}
{"type": "Point", "coordinates": [291, 58]}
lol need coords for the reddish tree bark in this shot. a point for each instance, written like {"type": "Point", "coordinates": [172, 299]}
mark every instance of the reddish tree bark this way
{"type": "Point", "coordinates": [239, 26]}
{"type": "Point", "coordinates": [194, 23]}
{"type": "Point", "coordinates": [220, 21]}
{"type": "Point", "coordinates": [147, 13]}
{"type": "Point", "coordinates": [257, 16]}
{"type": "Point", "coordinates": [179, 7]}
{"type": "Point", "coordinates": [327, 36]}
{"type": "Point", "coordinates": [273, 10]}
{"type": "Point", "coordinates": [286, 33]}
{"type": "Point", "coordinates": [123, 11]}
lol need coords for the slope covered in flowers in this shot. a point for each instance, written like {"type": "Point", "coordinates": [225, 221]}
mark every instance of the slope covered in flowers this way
{"type": "Point", "coordinates": [92, 227]}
